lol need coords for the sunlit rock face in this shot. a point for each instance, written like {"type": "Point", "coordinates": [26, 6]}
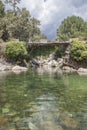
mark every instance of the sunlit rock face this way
{"type": "Point", "coordinates": [47, 64]}
{"type": "Point", "coordinates": [82, 70]}
{"type": "Point", "coordinates": [19, 68]}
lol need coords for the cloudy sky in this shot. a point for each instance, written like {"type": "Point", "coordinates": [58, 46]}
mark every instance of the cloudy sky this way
{"type": "Point", "coordinates": [52, 12]}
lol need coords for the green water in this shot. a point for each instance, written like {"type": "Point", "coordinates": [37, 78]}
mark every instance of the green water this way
{"type": "Point", "coordinates": [31, 101]}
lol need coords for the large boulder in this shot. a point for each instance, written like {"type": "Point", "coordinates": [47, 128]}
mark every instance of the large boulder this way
{"type": "Point", "coordinates": [82, 71]}
{"type": "Point", "coordinates": [4, 67]}
{"type": "Point", "coordinates": [19, 68]}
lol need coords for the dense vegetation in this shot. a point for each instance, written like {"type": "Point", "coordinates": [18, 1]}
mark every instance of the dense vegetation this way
{"type": "Point", "coordinates": [45, 51]}
{"type": "Point", "coordinates": [17, 23]}
{"type": "Point", "coordinates": [72, 27]}
{"type": "Point", "coordinates": [16, 51]}
{"type": "Point", "coordinates": [1, 9]}
{"type": "Point", "coordinates": [79, 50]}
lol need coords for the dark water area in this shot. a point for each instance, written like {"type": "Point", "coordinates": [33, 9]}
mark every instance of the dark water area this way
{"type": "Point", "coordinates": [32, 101]}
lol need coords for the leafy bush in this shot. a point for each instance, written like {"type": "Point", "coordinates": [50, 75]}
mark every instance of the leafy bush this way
{"type": "Point", "coordinates": [15, 51]}
{"type": "Point", "coordinates": [84, 55]}
{"type": "Point", "coordinates": [79, 50]}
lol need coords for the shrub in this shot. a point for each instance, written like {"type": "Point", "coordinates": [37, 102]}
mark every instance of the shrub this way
{"type": "Point", "coordinates": [84, 55]}
{"type": "Point", "coordinates": [79, 50]}
{"type": "Point", "coordinates": [15, 51]}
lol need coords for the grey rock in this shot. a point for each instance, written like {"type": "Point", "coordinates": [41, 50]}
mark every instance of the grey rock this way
{"type": "Point", "coordinates": [68, 69]}
{"type": "Point", "coordinates": [4, 67]}
{"type": "Point", "coordinates": [53, 63]}
{"type": "Point", "coordinates": [60, 62]}
{"type": "Point", "coordinates": [82, 71]}
{"type": "Point", "coordinates": [19, 68]}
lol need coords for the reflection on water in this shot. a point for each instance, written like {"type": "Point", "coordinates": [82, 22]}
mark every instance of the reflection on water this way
{"type": "Point", "coordinates": [31, 101]}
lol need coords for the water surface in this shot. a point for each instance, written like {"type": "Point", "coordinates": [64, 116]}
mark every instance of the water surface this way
{"type": "Point", "coordinates": [43, 101]}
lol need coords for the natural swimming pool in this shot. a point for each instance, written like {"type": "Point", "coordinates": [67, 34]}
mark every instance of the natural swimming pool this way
{"type": "Point", "coordinates": [33, 101]}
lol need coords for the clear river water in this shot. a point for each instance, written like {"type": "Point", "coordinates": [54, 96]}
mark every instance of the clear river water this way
{"type": "Point", "coordinates": [33, 101]}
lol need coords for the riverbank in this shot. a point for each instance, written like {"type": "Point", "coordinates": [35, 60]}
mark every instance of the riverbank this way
{"type": "Point", "coordinates": [47, 65]}
{"type": "Point", "coordinates": [8, 66]}
{"type": "Point", "coordinates": [66, 60]}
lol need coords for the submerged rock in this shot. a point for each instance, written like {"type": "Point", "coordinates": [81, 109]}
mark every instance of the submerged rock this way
{"type": "Point", "coordinates": [49, 125]}
{"type": "Point", "coordinates": [69, 122]}
{"type": "Point", "coordinates": [32, 126]}
{"type": "Point", "coordinates": [3, 121]}
{"type": "Point", "coordinates": [68, 69]}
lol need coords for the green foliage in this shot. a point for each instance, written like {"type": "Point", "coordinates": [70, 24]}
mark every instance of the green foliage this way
{"type": "Point", "coordinates": [46, 51]}
{"type": "Point", "coordinates": [41, 51]}
{"type": "Point", "coordinates": [84, 55]}
{"type": "Point", "coordinates": [79, 50]}
{"type": "Point", "coordinates": [18, 23]}
{"type": "Point", "coordinates": [2, 9]}
{"type": "Point", "coordinates": [15, 51]}
{"type": "Point", "coordinates": [20, 28]}
{"type": "Point", "coordinates": [5, 34]}
{"type": "Point", "coordinates": [59, 52]}
{"type": "Point", "coordinates": [72, 27]}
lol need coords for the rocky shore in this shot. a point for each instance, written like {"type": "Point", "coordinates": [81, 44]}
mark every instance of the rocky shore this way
{"type": "Point", "coordinates": [5, 66]}
{"type": "Point", "coordinates": [52, 65]}
{"type": "Point", "coordinates": [48, 64]}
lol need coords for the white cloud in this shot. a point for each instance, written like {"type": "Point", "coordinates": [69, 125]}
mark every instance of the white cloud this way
{"type": "Point", "coordinates": [52, 12]}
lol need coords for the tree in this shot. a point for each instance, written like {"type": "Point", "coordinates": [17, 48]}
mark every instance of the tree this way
{"type": "Point", "coordinates": [4, 27]}
{"type": "Point", "coordinates": [5, 34]}
{"type": "Point", "coordinates": [19, 24]}
{"type": "Point", "coordinates": [35, 31]}
{"type": "Point", "coordinates": [20, 28]}
{"type": "Point", "coordinates": [72, 27]}
{"type": "Point", "coordinates": [2, 9]}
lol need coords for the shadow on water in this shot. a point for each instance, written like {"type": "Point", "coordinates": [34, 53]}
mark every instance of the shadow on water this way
{"type": "Point", "coordinates": [32, 101]}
